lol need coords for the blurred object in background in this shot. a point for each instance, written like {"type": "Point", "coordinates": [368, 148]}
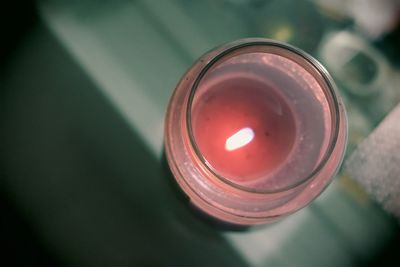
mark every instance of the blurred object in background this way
{"type": "Point", "coordinates": [285, 21]}
{"type": "Point", "coordinates": [362, 71]}
{"type": "Point", "coordinates": [373, 18]}
{"type": "Point", "coordinates": [376, 163]}
{"type": "Point", "coordinates": [299, 23]}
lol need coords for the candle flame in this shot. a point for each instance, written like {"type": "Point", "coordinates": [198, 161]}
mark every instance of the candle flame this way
{"type": "Point", "coordinates": [239, 139]}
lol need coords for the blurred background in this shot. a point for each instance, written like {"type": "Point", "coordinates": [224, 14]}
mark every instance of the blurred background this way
{"type": "Point", "coordinates": [84, 86]}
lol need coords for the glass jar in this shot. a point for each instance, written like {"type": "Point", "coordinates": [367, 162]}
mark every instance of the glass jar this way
{"type": "Point", "coordinates": [254, 131]}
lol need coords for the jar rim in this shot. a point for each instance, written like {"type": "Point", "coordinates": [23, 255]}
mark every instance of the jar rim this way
{"type": "Point", "coordinates": [310, 64]}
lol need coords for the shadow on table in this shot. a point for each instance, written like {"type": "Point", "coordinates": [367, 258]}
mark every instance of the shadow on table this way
{"type": "Point", "coordinates": [84, 183]}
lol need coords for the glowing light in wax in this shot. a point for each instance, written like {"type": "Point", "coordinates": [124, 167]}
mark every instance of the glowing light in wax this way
{"type": "Point", "coordinates": [239, 139]}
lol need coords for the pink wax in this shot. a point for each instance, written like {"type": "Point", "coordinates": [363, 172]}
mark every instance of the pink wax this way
{"type": "Point", "coordinates": [243, 127]}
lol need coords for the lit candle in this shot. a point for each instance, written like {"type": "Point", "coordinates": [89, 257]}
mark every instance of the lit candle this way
{"type": "Point", "coordinates": [254, 131]}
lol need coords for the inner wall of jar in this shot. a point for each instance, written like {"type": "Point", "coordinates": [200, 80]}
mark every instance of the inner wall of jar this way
{"type": "Point", "coordinates": [260, 121]}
